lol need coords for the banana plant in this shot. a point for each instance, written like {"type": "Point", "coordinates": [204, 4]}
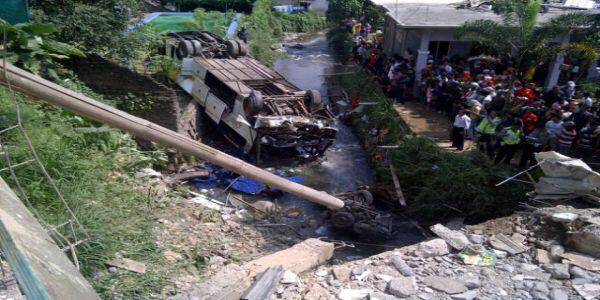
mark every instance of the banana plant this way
{"type": "Point", "coordinates": [33, 47]}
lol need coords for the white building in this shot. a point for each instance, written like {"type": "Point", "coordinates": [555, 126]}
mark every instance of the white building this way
{"type": "Point", "coordinates": [427, 27]}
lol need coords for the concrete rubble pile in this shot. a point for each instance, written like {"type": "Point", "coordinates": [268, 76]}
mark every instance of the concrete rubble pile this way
{"type": "Point", "coordinates": [550, 253]}
{"type": "Point", "coordinates": [566, 178]}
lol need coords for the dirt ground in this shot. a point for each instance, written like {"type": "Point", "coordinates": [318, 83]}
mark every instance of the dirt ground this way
{"type": "Point", "coordinates": [429, 123]}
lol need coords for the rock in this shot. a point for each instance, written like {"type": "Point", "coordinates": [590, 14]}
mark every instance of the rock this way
{"type": "Point", "coordinates": [558, 271]}
{"type": "Point", "coordinates": [500, 254]}
{"type": "Point", "coordinates": [455, 239]}
{"type": "Point", "coordinates": [321, 273]}
{"type": "Point", "coordinates": [507, 268]}
{"type": "Point", "coordinates": [564, 217]}
{"type": "Point", "coordinates": [558, 294]}
{"type": "Point", "coordinates": [525, 267]}
{"type": "Point", "coordinates": [542, 256]}
{"type": "Point", "coordinates": [381, 296]}
{"type": "Point", "coordinates": [289, 278]}
{"type": "Point", "coordinates": [541, 287]}
{"type": "Point", "coordinates": [341, 273]}
{"type": "Point", "coordinates": [432, 248]}
{"type": "Point", "coordinates": [446, 285]}
{"type": "Point", "coordinates": [264, 206]}
{"type": "Point", "coordinates": [384, 277]}
{"type": "Point", "coordinates": [468, 295]}
{"type": "Point", "coordinates": [578, 281]}
{"type": "Point", "coordinates": [425, 296]}
{"type": "Point", "coordinates": [401, 266]}
{"type": "Point", "coordinates": [402, 286]}
{"type": "Point", "coordinates": [317, 292]}
{"type": "Point", "coordinates": [357, 271]}
{"type": "Point", "coordinates": [476, 238]}
{"type": "Point", "coordinates": [556, 251]}
{"type": "Point", "coordinates": [348, 294]}
{"type": "Point", "coordinates": [363, 276]}
{"type": "Point", "coordinates": [586, 240]}
{"type": "Point", "coordinates": [472, 282]}
{"type": "Point", "coordinates": [578, 272]}
{"type": "Point", "coordinates": [588, 291]}
{"type": "Point", "coordinates": [518, 237]}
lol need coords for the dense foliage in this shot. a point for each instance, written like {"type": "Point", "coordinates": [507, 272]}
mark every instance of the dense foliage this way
{"type": "Point", "coordinates": [301, 22]}
{"type": "Point", "coordinates": [32, 46]}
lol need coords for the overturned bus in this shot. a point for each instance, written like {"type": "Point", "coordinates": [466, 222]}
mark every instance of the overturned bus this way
{"type": "Point", "coordinates": [257, 103]}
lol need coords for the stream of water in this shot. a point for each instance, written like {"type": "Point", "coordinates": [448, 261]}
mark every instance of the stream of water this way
{"type": "Point", "coordinates": [344, 166]}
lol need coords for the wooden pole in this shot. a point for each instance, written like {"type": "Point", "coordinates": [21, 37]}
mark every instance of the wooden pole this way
{"type": "Point", "coordinates": [39, 88]}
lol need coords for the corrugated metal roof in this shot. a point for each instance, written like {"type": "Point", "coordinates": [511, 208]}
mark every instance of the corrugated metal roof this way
{"type": "Point", "coordinates": [447, 13]}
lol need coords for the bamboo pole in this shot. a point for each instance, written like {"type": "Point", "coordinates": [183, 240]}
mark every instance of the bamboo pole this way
{"type": "Point", "coordinates": [39, 88]}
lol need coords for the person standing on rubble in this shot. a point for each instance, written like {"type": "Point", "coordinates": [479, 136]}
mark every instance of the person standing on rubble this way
{"type": "Point", "coordinates": [510, 137]}
{"type": "Point", "coordinates": [462, 122]}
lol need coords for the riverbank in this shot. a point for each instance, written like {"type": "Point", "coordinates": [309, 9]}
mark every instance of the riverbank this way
{"type": "Point", "coordinates": [437, 184]}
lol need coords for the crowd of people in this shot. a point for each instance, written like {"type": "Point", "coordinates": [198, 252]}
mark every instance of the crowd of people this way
{"type": "Point", "coordinates": [485, 101]}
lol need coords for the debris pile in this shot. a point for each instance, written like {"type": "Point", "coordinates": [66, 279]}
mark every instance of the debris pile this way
{"type": "Point", "coordinates": [549, 253]}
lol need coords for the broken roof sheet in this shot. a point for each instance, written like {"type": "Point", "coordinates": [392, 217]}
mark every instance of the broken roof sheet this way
{"type": "Point", "coordinates": [447, 13]}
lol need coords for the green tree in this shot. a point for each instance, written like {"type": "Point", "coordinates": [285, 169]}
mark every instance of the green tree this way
{"type": "Point", "coordinates": [520, 37]}
{"type": "Point", "coordinates": [342, 10]}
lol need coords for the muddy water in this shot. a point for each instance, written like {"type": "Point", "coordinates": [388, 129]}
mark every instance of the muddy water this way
{"type": "Point", "coordinates": [344, 166]}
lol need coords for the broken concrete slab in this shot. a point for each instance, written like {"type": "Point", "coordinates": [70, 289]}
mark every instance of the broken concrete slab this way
{"type": "Point", "coordinates": [231, 281]}
{"type": "Point", "coordinates": [432, 248]}
{"type": "Point", "coordinates": [299, 258]}
{"type": "Point", "coordinates": [583, 261]}
{"type": "Point", "coordinates": [542, 256]}
{"type": "Point", "coordinates": [585, 240]}
{"type": "Point", "coordinates": [446, 285]}
{"type": "Point", "coordinates": [588, 291]}
{"type": "Point", "coordinates": [454, 238]}
{"type": "Point", "coordinates": [504, 243]}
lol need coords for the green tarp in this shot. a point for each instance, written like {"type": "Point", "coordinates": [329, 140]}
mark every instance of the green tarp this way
{"type": "Point", "coordinates": [14, 11]}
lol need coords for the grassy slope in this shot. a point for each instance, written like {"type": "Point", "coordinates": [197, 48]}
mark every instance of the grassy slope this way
{"type": "Point", "coordinates": [93, 172]}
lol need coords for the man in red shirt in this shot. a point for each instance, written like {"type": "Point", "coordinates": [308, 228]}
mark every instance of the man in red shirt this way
{"type": "Point", "coordinates": [529, 119]}
{"type": "Point", "coordinates": [526, 91]}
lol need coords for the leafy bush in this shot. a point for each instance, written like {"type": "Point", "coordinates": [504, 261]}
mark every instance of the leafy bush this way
{"type": "Point", "coordinates": [301, 22]}
{"type": "Point", "coordinates": [33, 47]}
{"type": "Point", "coordinates": [97, 27]}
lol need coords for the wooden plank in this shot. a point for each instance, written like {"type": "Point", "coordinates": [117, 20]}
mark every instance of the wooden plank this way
{"type": "Point", "coordinates": [128, 264]}
{"type": "Point", "coordinates": [265, 284]}
{"type": "Point", "coordinates": [41, 268]}
{"type": "Point", "coordinates": [401, 199]}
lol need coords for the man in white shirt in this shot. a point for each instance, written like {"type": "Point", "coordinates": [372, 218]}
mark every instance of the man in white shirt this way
{"type": "Point", "coordinates": [462, 122]}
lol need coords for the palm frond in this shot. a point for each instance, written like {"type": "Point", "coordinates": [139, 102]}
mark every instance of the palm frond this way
{"type": "Point", "coordinates": [490, 33]}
